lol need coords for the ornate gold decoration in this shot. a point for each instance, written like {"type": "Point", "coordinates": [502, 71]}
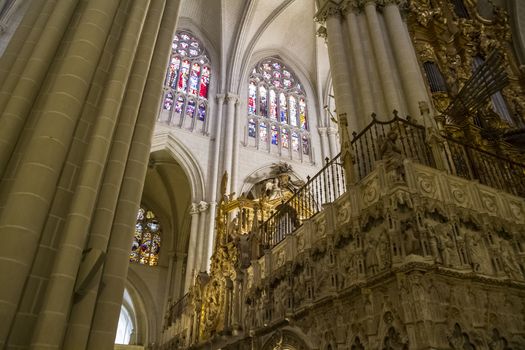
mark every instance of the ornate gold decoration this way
{"type": "Point", "coordinates": [440, 36]}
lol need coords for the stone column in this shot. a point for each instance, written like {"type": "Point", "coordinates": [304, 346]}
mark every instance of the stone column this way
{"type": "Point", "coordinates": [52, 318]}
{"type": "Point", "coordinates": [235, 152]}
{"type": "Point", "coordinates": [332, 140]}
{"type": "Point", "coordinates": [21, 45]}
{"type": "Point", "coordinates": [16, 104]}
{"type": "Point", "coordinates": [200, 247]}
{"type": "Point", "coordinates": [339, 65]}
{"type": "Point", "coordinates": [82, 311]}
{"type": "Point", "coordinates": [209, 240]}
{"type": "Point", "coordinates": [107, 310]}
{"type": "Point", "coordinates": [366, 97]}
{"type": "Point", "coordinates": [382, 61]}
{"type": "Point", "coordinates": [407, 64]}
{"type": "Point", "coordinates": [32, 191]}
{"type": "Point", "coordinates": [229, 125]}
{"type": "Point", "coordinates": [325, 149]}
{"type": "Point", "coordinates": [190, 262]}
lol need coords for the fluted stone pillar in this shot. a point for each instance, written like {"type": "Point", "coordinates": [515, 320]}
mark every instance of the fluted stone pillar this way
{"type": "Point", "coordinates": [201, 238]}
{"type": "Point", "coordinates": [209, 240]}
{"type": "Point", "coordinates": [21, 45]}
{"type": "Point", "coordinates": [382, 61]}
{"type": "Point", "coordinates": [332, 141]}
{"type": "Point", "coordinates": [367, 105]}
{"type": "Point", "coordinates": [325, 149]}
{"type": "Point", "coordinates": [214, 179]}
{"type": "Point", "coordinates": [33, 189]}
{"type": "Point", "coordinates": [82, 310]}
{"type": "Point", "coordinates": [15, 106]}
{"type": "Point", "coordinates": [53, 315]}
{"type": "Point", "coordinates": [407, 65]}
{"type": "Point", "coordinates": [107, 310]}
{"type": "Point", "coordinates": [190, 263]}
{"type": "Point", "coordinates": [235, 151]}
{"type": "Point", "coordinates": [229, 126]}
{"type": "Point", "coordinates": [339, 66]}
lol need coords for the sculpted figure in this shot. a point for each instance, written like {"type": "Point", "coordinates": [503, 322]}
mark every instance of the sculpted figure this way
{"type": "Point", "coordinates": [371, 258]}
{"type": "Point", "coordinates": [434, 244]}
{"type": "Point", "coordinates": [412, 243]}
{"type": "Point", "coordinates": [476, 248]}
{"type": "Point", "coordinates": [510, 265]}
{"type": "Point", "coordinates": [391, 153]}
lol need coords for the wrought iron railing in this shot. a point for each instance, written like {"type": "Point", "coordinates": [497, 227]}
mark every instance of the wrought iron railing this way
{"type": "Point", "coordinates": [488, 168]}
{"type": "Point", "coordinates": [325, 187]}
{"type": "Point", "coordinates": [176, 310]}
{"type": "Point", "coordinates": [329, 183]}
{"type": "Point", "coordinates": [411, 142]}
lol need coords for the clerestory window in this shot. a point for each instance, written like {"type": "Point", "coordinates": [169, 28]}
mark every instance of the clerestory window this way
{"type": "Point", "coordinates": [277, 111]}
{"type": "Point", "coordinates": [185, 102]}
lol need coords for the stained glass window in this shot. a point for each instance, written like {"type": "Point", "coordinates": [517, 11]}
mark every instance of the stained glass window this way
{"type": "Point", "coordinates": [252, 98]}
{"type": "Point", "coordinates": [277, 98]}
{"type": "Point", "coordinates": [188, 74]}
{"type": "Point", "coordinates": [275, 135]}
{"type": "Point", "coordinates": [146, 241]}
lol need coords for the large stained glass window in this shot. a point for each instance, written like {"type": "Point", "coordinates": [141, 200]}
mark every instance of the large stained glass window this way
{"type": "Point", "coordinates": [146, 241]}
{"type": "Point", "coordinates": [277, 103]}
{"type": "Point", "coordinates": [186, 86]}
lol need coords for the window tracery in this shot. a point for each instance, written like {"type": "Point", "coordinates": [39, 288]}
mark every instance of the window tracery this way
{"type": "Point", "coordinates": [186, 86]}
{"type": "Point", "coordinates": [277, 110]}
{"type": "Point", "coordinates": [146, 240]}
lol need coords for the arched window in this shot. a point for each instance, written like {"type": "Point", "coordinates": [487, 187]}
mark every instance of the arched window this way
{"type": "Point", "coordinates": [185, 102]}
{"type": "Point", "coordinates": [277, 111]}
{"type": "Point", "coordinates": [126, 328]}
{"type": "Point", "coordinates": [146, 241]}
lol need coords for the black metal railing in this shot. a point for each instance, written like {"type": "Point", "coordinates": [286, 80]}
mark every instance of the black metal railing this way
{"type": "Point", "coordinates": [176, 310]}
{"type": "Point", "coordinates": [488, 168]}
{"type": "Point", "coordinates": [329, 183]}
{"type": "Point", "coordinates": [325, 187]}
{"type": "Point", "coordinates": [411, 142]}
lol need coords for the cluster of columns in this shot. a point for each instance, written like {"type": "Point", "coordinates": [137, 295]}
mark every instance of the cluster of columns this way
{"type": "Point", "coordinates": [197, 253]}
{"type": "Point", "coordinates": [374, 66]}
{"type": "Point", "coordinates": [79, 92]}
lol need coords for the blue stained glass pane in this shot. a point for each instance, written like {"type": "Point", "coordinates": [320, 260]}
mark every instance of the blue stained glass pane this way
{"type": "Point", "coordinates": [202, 112]}
{"type": "Point", "coordinates": [190, 108]}
{"type": "Point", "coordinates": [275, 135]}
{"type": "Point", "coordinates": [251, 128]}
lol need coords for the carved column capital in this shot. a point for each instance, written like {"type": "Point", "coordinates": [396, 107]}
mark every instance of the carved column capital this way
{"type": "Point", "coordinates": [220, 98]}
{"type": "Point", "coordinates": [203, 206]}
{"type": "Point", "coordinates": [332, 131]}
{"type": "Point", "coordinates": [194, 209]}
{"type": "Point", "coordinates": [322, 130]}
{"type": "Point", "coordinates": [329, 9]}
{"type": "Point", "coordinates": [350, 6]}
{"type": "Point", "coordinates": [231, 98]}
